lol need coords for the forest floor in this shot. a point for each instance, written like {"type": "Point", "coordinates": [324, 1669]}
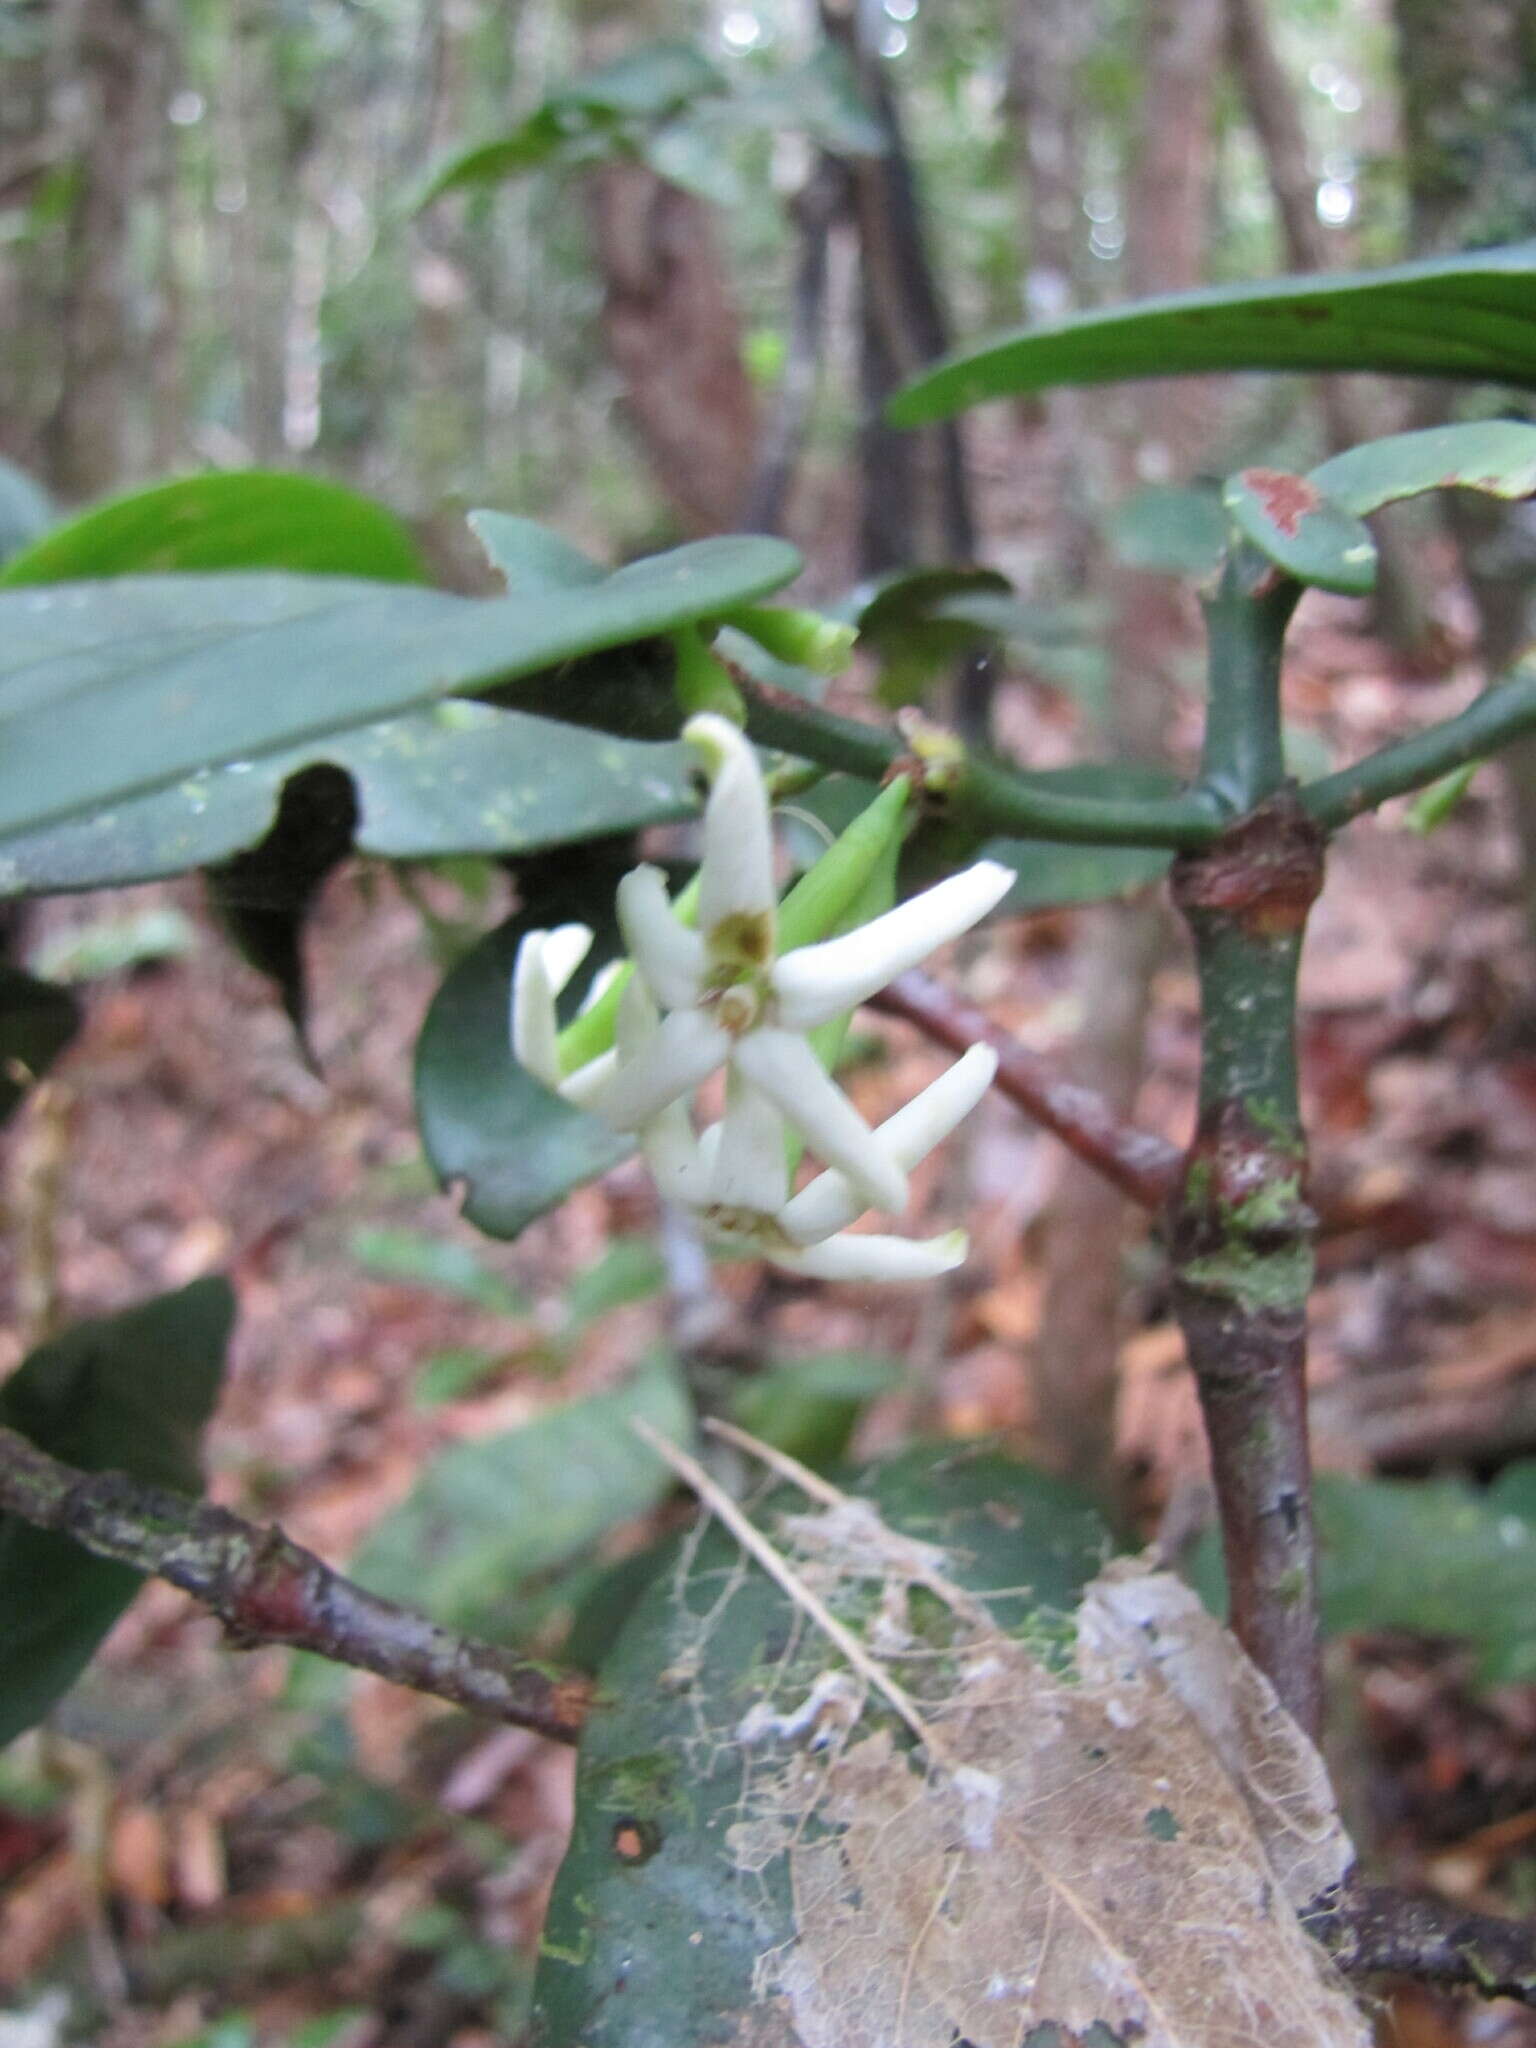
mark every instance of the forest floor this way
{"type": "Point", "coordinates": [235, 1849]}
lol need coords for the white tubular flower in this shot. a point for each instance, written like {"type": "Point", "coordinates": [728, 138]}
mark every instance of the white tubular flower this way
{"type": "Point", "coordinates": [731, 1001]}
{"type": "Point", "coordinates": [734, 1181]}
{"type": "Point", "coordinates": [543, 969]}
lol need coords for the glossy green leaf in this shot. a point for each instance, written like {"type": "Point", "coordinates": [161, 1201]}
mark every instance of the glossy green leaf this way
{"type": "Point", "coordinates": [26, 511]}
{"type": "Point", "coordinates": [230, 519]}
{"type": "Point", "coordinates": [1497, 457]}
{"type": "Point", "coordinates": [37, 1021]}
{"type": "Point", "coordinates": [458, 778]}
{"type": "Point", "coordinates": [515, 1149]}
{"type": "Point", "coordinates": [484, 1538]}
{"type": "Point", "coordinates": [1290, 521]}
{"type": "Point", "coordinates": [129, 1393]}
{"type": "Point", "coordinates": [1464, 316]}
{"type": "Point", "coordinates": [654, 1928]}
{"type": "Point", "coordinates": [108, 690]}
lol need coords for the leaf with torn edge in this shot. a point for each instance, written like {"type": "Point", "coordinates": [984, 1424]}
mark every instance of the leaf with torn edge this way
{"type": "Point", "coordinates": [1103, 1837]}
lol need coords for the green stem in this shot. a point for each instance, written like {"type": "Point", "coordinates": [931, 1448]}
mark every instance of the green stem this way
{"type": "Point", "coordinates": [989, 796]}
{"type": "Point", "coordinates": [1243, 759]}
{"type": "Point", "coordinates": [1498, 716]}
{"type": "Point", "coordinates": [1240, 1229]}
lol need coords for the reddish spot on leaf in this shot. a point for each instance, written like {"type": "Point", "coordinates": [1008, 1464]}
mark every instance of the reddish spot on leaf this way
{"type": "Point", "coordinates": [1286, 499]}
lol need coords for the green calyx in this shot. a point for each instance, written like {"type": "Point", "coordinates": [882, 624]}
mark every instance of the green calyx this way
{"type": "Point", "coordinates": [702, 681]}
{"type": "Point", "coordinates": [807, 639]}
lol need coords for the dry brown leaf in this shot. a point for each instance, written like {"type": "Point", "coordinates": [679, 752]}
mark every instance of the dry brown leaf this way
{"type": "Point", "coordinates": [1112, 1841]}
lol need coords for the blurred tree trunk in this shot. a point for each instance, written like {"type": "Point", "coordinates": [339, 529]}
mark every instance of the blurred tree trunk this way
{"type": "Point", "coordinates": [915, 500]}
{"type": "Point", "coordinates": [673, 335]}
{"type": "Point", "coordinates": [1166, 214]}
{"type": "Point", "coordinates": [253, 166]}
{"type": "Point", "coordinates": [669, 318]}
{"type": "Point", "coordinates": [1468, 80]}
{"type": "Point", "coordinates": [1271, 104]}
{"type": "Point", "coordinates": [1049, 40]}
{"type": "Point", "coordinates": [114, 61]}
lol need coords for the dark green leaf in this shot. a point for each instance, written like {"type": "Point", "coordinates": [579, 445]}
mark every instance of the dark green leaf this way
{"type": "Point", "coordinates": [1450, 316]}
{"type": "Point", "coordinates": [1292, 524]}
{"type": "Point", "coordinates": [26, 510]}
{"type": "Point", "coordinates": [1497, 457]}
{"type": "Point", "coordinates": [232, 519]}
{"type": "Point", "coordinates": [517, 1149]}
{"type": "Point", "coordinates": [111, 689]}
{"type": "Point", "coordinates": [482, 1538]}
{"type": "Point", "coordinates": [37, 1021]}
{"type": "Point", "coordinates": [657, 1949]}
{"type": "Point", "coordinates": [459, 778]}
{"type": "Point", "coordinates": [127, 1393]}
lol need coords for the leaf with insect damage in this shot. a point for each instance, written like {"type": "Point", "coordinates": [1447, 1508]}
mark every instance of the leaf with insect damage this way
{"type": "Point", "coordinates": [1096, 1834]}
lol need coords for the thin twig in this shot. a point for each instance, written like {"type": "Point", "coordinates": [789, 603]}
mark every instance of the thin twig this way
{"type": "Point", "coordinates": [1373, 1930]}
{"type": "Point", "coordinates": [266, 1588]}
{"type": "Point", "coordinates": [757, 1546]}
{"type": "Point", "coordinates": [1139, 1163]}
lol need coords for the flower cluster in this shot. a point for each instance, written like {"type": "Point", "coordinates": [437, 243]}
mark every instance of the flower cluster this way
{"type": "Point", "coordinates": [719, 994]}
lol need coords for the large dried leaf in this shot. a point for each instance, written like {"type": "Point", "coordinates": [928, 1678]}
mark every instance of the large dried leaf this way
{"type": "Point", "coordinates": [1103, 1836]}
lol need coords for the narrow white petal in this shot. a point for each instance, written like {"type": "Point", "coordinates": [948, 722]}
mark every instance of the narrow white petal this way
{"type": "Point", "coordinates": [681, 1052]}
{"type": "Point", "coordinates": [668, 955]}
{"type": "Point", "coordinates": [736, 874]}
{"type": "Point", "coordinates": [535, 1026]}
{"type": "Point", "coordinates": [927, 1120]}
{"type": "Point", "coordinates": [564, 950]}
{"type": "Point", "coordinates": [750, 1169]}
{"type": "Point", "coordinates": [853, 1257]}
{"type": "Point", "coordinates": [817, 983]}
{"type": "Point", "coordinates": [828, 1203]}
{"type": "Point", "coordinates": [672, 1153]}
{"type": "Point", "coordinates": [793, 1079]}
{"type": "Point", "coordinates": [581, 1087]}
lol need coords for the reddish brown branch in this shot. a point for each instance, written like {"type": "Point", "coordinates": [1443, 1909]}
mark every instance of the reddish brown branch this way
{"type": "Point", "coordinates": [265, 1588]}
{"type": "Point", "coordinates": [1141, 1165]}
{"type": "Point", "coordinates": [1372, 1930]}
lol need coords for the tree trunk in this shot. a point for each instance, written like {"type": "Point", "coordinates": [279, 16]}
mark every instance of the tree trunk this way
{"type": "Point", "coordinates": [673, 336]}
{"type": "Point", "coordinates": [115, 51]}
{"type": "Point", "coordinates": [1167, 195]}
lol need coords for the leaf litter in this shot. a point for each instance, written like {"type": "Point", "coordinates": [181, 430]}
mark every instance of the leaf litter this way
{"type": "Point", "coordinates": [1099, 1835]}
